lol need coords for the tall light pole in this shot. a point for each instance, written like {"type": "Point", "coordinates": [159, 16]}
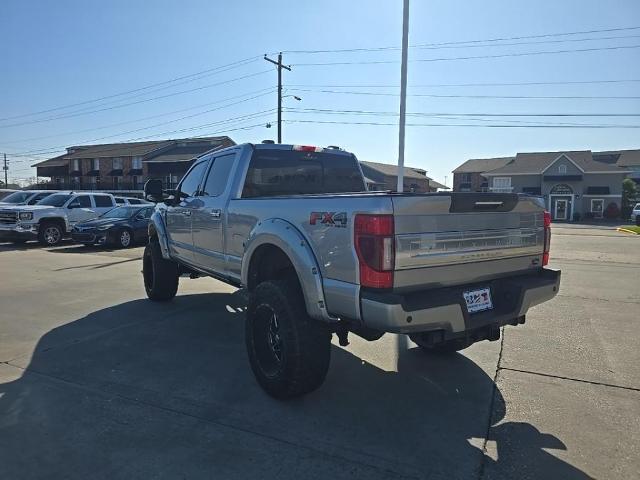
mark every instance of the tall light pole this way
{"type": "Point", "coordinates": [403, 93]}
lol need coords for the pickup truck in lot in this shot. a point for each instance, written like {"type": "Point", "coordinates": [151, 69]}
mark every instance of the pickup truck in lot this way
{"type": "Point", "coordinates": [447, 269]}
{"type": "Point", "coordinates": [51, 219]}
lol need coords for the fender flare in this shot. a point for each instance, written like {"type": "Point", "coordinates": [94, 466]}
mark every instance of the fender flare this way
{"type": "Point", "coordinates": [158, 229]}
{"type": "Point", "coordinates": [58, 219]}
{"type": "Point", "coordinates": [292, 242]}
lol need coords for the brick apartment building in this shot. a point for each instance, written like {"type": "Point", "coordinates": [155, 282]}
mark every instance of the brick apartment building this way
{"type": "Point", "coordinates": [124, 167]}
{"type": "Point", "coordinates": [383, 176]}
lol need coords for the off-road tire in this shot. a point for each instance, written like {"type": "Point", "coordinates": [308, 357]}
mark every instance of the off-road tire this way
{"type": "Point", "coordinates": [47, 235]}
{"type": "Point", "coordinates": [305, 343]}
{"type": "Point", "coordinates": [447, 347]}
{"type": "Point", "coordinates": [119, 240]}
{"type": "Point", "coordinates": [160, 275]}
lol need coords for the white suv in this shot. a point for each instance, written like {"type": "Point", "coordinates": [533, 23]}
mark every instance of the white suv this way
{"type": "Point", "coordinates": [52, 219]}
{"type": "Point", "coordinates": [635, 214]}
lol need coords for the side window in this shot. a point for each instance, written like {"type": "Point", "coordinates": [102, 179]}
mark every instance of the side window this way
{"type": "Point", "coordinates": [191, 181]}
{"type": "Point", "coordinates": [218, 177]}
{"type": "Point", "coordinates": [37, 198]}
{"type": "Point", "coordinates": [120, 201]}
{"type": "Point", "coordinates": [134, 201]}
{"type": "Point", "coordinates": [84, 201]}
{"type": "Point", "coordinates": [147, 212]}
{"type": "Point", "coordinates": [102, 201]}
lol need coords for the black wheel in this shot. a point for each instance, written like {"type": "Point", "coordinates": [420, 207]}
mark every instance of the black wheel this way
{"type": "Point", "coordinates": [450, 346]}
{"type": "Point", "coordinates": [160, 275]}
{"type": "Point", "coordinates": [124, 238]}
{"type": "Point", "coordinates": [289, 352]}
{"type": "Point", "coordinates": [50, 233]}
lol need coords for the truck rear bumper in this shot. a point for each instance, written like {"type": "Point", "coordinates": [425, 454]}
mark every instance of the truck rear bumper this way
{"type": "Point", "coordinates": [444, 309]}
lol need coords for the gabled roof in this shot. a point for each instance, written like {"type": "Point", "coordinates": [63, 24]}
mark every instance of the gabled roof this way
{"type": "Point", "coordinates": [434, 184]}
{"type": "Point", "coordinates": [623, 158]}
{"type": "Point", "coordinates": [58, 161]}
{"type": "Point", "coordinates": [479, 165]}
{"type": "Point", "coordinates": [535, 163]}
{"type": "Point", "coordinates": [392, 170]}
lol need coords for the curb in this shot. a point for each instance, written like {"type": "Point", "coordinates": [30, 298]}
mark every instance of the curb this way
{"type": "Point", "coordinates": [624, 230]}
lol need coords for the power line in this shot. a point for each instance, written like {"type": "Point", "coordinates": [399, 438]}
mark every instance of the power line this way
{"type": "Point", "coordinates": [268, 90]}
{"type": "Point", "coordinates": [77, 114]}
{"type": "Point", "coordinates": [554, 97]}
{"type": "Point", "coordinates": [463, 124]}
{"type": "Point", "coordinates": [197, 127]}
{"type": "Point", "coordinates": [505, 84]}
{"type": "Point", "coordinates": [204, 73]}
{"type": "Point", "coordinates": [170, 121]}
{"type": "Point", "coordinates": [473, 57]}
{"type": "Point", "coordinates": [369, 112]}
{"type": "Point", "coordinates": [463, 42]}
{"type": "Point", "coordinates": [444, 116]}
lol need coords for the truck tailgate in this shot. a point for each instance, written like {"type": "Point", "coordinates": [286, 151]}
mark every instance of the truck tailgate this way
{"type": "Point", "coordinates": [455, 238]}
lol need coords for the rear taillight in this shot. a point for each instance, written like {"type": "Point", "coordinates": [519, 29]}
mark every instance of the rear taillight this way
{"type": "Point", "coordinates": [374, 242]}
{"type": "Point", "coordinates": [547, 238]}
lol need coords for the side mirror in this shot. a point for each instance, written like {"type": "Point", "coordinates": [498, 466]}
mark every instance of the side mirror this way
{"type": "Point", "coordinates": [153, 190]}
{"type": "Point", "coordinates": [74, 205]}
{"type": "Point", "coordinates": [139, 217]}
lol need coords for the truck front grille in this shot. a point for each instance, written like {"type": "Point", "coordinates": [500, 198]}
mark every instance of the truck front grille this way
{"type": "Point", "coordinates": [8, 218]}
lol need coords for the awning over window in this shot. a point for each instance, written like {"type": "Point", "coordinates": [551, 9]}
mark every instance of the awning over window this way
{"type": "Point", "coordinates": [93, 173]}
{"type": "Point", "coordinates": [135, 171]}
{"type": "Point", "coordinates": [564, 178]}
{"type": "Point", "coordinates": [115, 173]}
{"type": "Point", "coordinates": [76, 173]}
{"type": "Point", "coordinates": [597, 191]}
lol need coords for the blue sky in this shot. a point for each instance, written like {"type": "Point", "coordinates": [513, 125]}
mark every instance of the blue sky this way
{"type": "Point", "coordinates": [66, 52]}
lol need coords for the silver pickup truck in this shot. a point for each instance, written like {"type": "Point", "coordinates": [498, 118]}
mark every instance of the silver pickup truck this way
{"type": "Point", "coordinates": [447, 269]}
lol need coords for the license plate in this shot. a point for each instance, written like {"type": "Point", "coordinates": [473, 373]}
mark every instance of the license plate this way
{"type": "Point", "coordinates": [478, 300]}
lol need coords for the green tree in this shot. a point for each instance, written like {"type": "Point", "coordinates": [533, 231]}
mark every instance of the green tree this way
{"type": "Point", "coordinates": [629, 196]}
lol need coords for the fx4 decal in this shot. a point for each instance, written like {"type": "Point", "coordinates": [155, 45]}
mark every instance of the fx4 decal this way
{"type": "Point", "coordinates": [330, 219]}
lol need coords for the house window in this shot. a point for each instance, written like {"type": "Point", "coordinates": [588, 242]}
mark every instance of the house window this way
{"type": "Point", "coordinates": [96, 164]}
{"type": "Point", "coordinates": [116, 182]}
{"type": "Point", "coordinates": [562, 169]}
{"type": "Point", "coordinates": [502, 184]}
{"type": "Point", "coordinates": [94, 182]}
{"type": "Point", "coordinates": [135, 182]}
{"type": "Point", "coordinates": [76, 165]}
{"type": "Point", "coordinates": [597, 207]}
{"type": "Point", "coordinates": [117, 163]}
{"type": "Point", "coordinates": [465, 178]}
{"type": "Point", "coordinates": [136, 163]}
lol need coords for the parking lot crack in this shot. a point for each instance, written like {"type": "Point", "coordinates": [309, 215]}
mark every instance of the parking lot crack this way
{"type": "Point", "coordinates": [494, 393]}
{"type": "Point", "coordinates": [580, 380]}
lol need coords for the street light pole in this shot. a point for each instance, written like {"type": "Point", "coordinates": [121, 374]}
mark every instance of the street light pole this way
{"type": "Point", "coordinates": [280, 67]}
{"type": "Point", "coordinates": [403, 93]}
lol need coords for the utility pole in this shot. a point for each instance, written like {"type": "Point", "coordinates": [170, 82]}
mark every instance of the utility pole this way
{"type": "Point", "coordinates": [280, 67]}
{"type": "Point", "coordinates": [403, 93]}
{"type": "Point", "coordinates": [6, 170]}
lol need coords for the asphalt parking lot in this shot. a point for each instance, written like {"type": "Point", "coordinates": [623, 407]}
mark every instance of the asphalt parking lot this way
{"type": "Point", "coordinates": [97, 382]}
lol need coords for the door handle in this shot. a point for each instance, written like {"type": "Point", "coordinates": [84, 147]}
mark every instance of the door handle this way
{"type": "Point", "coordinates": [216, 213]}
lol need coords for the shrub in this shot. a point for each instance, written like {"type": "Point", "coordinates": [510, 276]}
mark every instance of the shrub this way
{"type": "Point", "coordinates": [612, 211]}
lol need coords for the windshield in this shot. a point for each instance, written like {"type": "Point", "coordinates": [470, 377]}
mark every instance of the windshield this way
{"type": "Point", "coordinates": [120, 212]}
{"type": "Point", "coordinates": [289, 172]}
{"type": "Point", "coordinates": [17, 197]}
{"type": "Point", "coordinates": [55, 200]}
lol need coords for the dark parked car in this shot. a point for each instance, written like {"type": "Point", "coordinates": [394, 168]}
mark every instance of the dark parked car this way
{"type": "Point", "coordinates": [121, 227]}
